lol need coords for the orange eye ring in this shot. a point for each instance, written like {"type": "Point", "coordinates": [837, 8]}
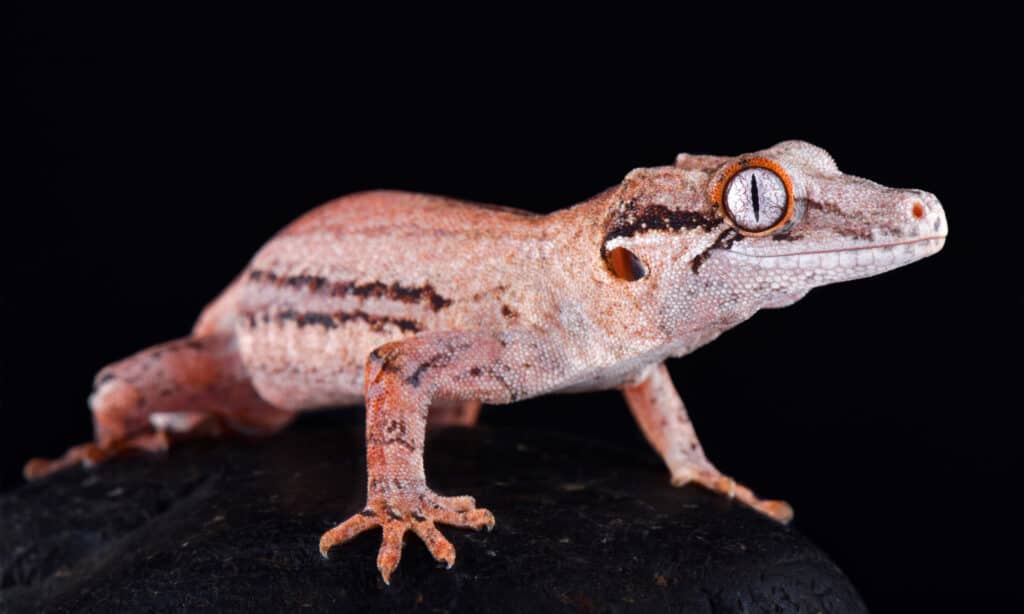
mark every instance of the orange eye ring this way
{"type": "Point", "coordinates": [717, 193]}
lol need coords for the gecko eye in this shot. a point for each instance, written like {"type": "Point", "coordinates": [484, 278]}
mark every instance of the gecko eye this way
{"type": "Point", "coordinates": [756, 196]}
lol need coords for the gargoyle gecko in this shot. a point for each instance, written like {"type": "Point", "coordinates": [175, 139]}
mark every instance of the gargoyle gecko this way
{"type": "Point", "coordinates": [425, 307]}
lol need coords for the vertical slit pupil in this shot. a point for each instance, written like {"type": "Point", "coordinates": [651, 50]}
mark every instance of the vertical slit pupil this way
{"type": "Point", "coordinates": [754, 199]}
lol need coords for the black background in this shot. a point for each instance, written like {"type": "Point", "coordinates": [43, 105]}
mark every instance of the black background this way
{"type": "Point", "coordinates": [153, 153]}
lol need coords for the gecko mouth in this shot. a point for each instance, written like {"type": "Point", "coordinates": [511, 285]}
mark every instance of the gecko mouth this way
{"type": "Point", "coordinates": [879, 255]}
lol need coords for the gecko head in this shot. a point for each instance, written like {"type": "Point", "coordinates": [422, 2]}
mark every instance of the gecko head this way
{"type": "Point", "coordinates": [799, 222]}
{"type": "Point", "coordinates": [768, 226]}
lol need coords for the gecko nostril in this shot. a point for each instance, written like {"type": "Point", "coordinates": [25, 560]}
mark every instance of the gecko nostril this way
{"type": "Point", "coordinates": [917, 210]}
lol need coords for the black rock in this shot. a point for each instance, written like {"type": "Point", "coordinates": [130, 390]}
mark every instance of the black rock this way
{"type": "Point", "coordinates": [233, 526]}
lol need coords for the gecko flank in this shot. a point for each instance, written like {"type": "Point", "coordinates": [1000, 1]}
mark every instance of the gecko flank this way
{"type": "Point", "coordinates": [424, 307]}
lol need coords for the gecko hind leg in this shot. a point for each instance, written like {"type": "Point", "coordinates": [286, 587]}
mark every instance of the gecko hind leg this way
{"type": "Point", "coordinates": [662, 417]}
{"type": "Point", "coordinates": [183, 388]}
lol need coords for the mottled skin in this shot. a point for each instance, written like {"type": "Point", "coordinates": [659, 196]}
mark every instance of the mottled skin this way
{"type": "Point", "coordinates": [414, 302]}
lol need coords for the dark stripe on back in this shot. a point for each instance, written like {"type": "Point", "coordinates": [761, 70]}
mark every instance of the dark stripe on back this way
{"type": "Point", "coordinates": [336, 319]}
{"type": "Point", "coordinates": [374, 289]}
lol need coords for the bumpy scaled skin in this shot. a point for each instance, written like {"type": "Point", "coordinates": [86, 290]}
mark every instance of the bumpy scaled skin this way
{"type": "Point", "coordinates": [420, 304]}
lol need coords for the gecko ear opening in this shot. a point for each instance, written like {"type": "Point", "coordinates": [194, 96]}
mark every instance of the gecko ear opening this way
{"type": "Point", "coordinates": [625, 265]}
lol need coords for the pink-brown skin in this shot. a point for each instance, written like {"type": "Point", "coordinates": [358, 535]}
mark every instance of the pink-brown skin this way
{"type": "Point", "coordinates": [420, 304]}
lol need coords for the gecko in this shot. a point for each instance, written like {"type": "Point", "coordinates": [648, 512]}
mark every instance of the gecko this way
{"type": "Point", "coordinates": [425, 307]}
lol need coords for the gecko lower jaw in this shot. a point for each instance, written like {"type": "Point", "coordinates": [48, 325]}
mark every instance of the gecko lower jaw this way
{"type": "Point", "coordinates": [885, 255]}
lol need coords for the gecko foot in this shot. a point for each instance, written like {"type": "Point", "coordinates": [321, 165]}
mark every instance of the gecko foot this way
{"type": "Point", "coordinates": [417, 511]}
{"type": "Point", "coordinates": [91, 454]}
{"type": "Point", "coordinates": [712, 480]}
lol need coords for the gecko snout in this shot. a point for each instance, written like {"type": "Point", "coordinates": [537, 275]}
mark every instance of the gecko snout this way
{"type": "Point", "coordinates": [925, 215]}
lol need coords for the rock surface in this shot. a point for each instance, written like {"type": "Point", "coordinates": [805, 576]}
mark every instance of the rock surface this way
{"type": "Point", "coordinates": [233, 526]}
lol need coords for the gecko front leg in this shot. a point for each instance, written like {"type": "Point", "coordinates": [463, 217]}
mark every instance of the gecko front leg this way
{"type": "Point", "coordinates": [402, 380]}
{"type": "Point", "coordinates": [662, 417]}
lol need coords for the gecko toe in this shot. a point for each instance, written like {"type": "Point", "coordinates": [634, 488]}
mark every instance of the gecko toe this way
{"type": "Point", "coordinates": [457, 504]}
{"type": "Point", "coordinates": [390, 552]}
{"type": "Point", "coordinates": [86, 454]}
{"type": "Point", "coordinates": [779, 510]}
{"type": "Point", "coordinates": [346, 531]}
{"type": "Point", "coordinates": [723, 484]}
{"type": "Point", "coordinates": [38, 468]}
{"type": "Point", "coordinates": [91, 454]}
{"type": "Point", "coordinates": [476, 519]}
{"type": "Point", "coordinates": [440, 548]}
